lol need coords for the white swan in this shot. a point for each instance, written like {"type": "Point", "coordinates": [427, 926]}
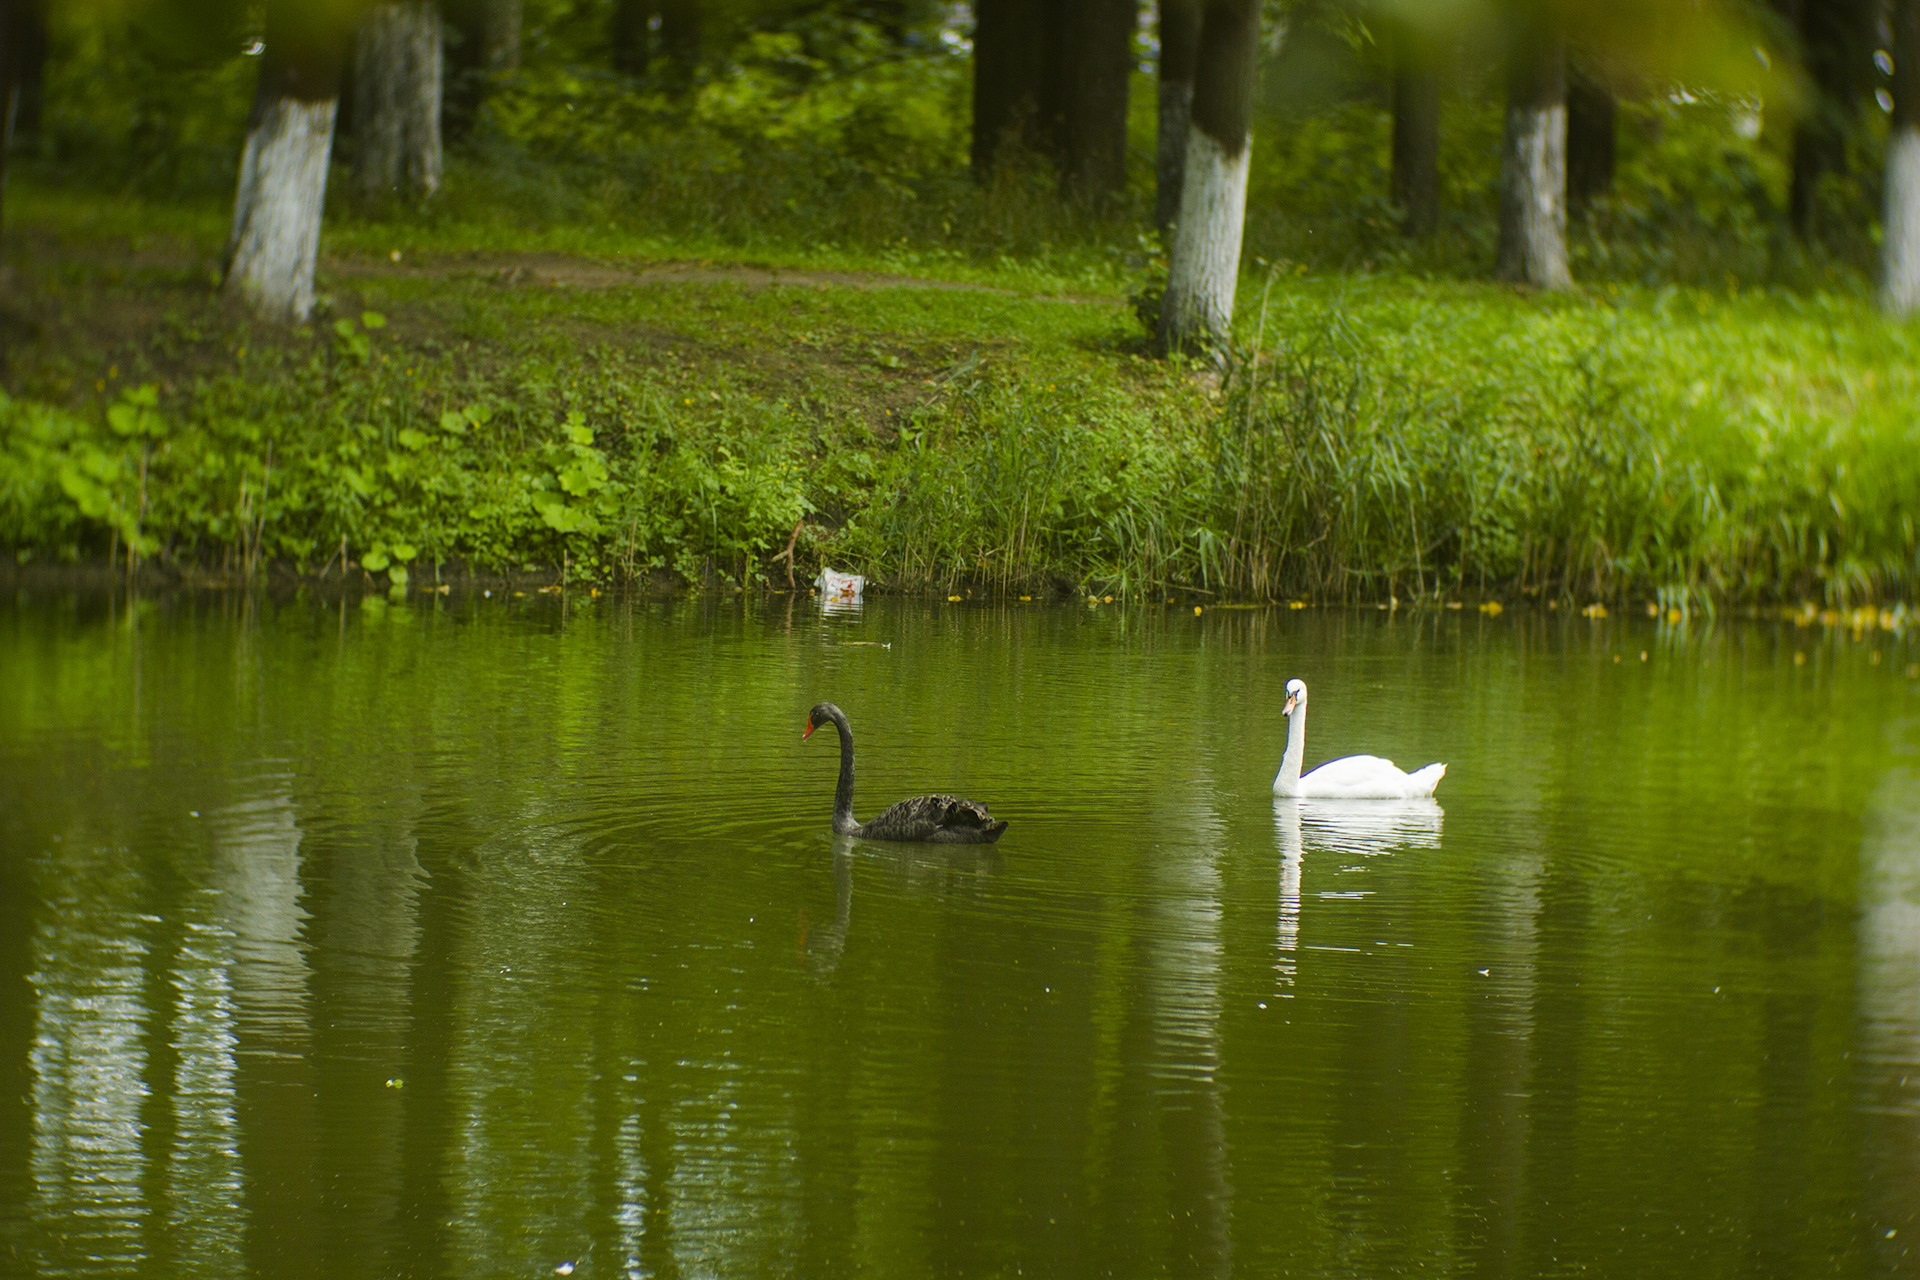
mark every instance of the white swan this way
{"type": "Point", "coordinates": [1351, 778]}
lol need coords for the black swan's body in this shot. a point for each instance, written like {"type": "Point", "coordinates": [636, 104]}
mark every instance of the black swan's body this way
{"type": "Point", "coordinates": [927, 819]}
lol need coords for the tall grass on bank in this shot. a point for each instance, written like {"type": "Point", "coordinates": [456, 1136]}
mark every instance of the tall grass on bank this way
{"type": "Point", "coordinates": [1418, 449]}
{"type": "Point", "coordinates": [1367, 439]}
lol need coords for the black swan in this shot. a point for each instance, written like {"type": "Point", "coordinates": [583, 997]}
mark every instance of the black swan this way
{"type": "Point", "coordinates": [929, 819]}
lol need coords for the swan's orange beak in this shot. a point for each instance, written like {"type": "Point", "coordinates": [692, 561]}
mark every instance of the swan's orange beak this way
{"type": "Point", "coordinates": [1291, 700]}
{"type": "Point", "coordinates": [808, 731]}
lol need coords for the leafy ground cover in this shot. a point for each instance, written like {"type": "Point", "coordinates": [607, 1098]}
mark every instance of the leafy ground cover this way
{"type": "Point", "coordinates": [612, 407]}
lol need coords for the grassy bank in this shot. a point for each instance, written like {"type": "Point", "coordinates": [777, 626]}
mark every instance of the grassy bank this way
{"type": "Point", "coordinates": [624, 409]}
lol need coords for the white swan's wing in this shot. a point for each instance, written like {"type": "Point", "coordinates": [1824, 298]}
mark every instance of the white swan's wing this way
{"type": "Point", "coordinates": [1354, 778]}
{"type": "Point", "coordinates": [1368, 778]}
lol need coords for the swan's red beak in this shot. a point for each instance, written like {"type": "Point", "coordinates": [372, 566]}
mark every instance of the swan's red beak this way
{"type": "Point", "coordinates": [808, 731]}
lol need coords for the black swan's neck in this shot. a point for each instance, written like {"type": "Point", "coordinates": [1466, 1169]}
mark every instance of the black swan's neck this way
{"type": "Point", "coordinates": [844, 823]}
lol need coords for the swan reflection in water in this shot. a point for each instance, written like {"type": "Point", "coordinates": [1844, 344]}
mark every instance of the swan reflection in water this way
{"type": "Point", "coordinates": [823, 945]}
{"type": "Point", "coordinates": [1364, 828]}
{"type": "Point", "coordinates": [939, 869]}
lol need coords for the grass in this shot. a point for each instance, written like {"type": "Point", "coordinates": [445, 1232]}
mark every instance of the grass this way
{"type": "Point", "coordinates": [552, 398]}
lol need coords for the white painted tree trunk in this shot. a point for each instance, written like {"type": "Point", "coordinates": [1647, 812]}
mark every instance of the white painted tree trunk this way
{"type": "Point", "coordinates": [276, 213]}
{"type": "Point", "coordinates": [1900, 243]}
{"type": "Point", "coordinates": [1205, 266]}
{"type": "Point", "coordinates": [1533, 197]}
{"type": "Point", "coordinates": [397, 74]}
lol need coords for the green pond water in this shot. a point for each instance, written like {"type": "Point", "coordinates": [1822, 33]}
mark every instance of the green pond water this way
{"type": "Point", "coordinates": [491, 936]}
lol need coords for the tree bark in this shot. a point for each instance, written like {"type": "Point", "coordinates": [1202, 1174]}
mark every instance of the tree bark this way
{"type": "Point", "coordinates": [1836, 44]}
{"type": "Point", "coordinates": [1533, 156]}
{"type": "Point", "coordinates": [500, 35]}
{"type": "Point", "coordinates": [25, 32]}
{"type": "Point", "coordinates": [1197, 310]}
{"type": "Point", "coordinates": [1010, 39]}
{"type": "Point", "coordinates": [1098, 70]}
{"type": "Point", "coordinates": [9, 107]}
{"type": "Point", "coordinates": [1415, 179]}
{"type": "Point", "coordinates": [632, 36]}
{"type": "Point", "coordinates": [283, 169]}
{"type": "Point", "coordinates": [1900, 241]}
{"type": "Point", "coordinates": [1591, 117]}
{"type": "Point", "coordinates": [1179, 42]}
{"type": "Point", "coordinates": [680, 41]}
{"type": "Point", "coordinates": [397, 76]}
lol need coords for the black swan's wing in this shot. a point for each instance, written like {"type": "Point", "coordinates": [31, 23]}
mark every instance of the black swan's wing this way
{"type": "Point", "coordinates": [936, 819]}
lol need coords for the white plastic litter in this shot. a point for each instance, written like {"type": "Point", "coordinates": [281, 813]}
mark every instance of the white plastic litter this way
{"type": "Point", "coordinates": [839, 588]}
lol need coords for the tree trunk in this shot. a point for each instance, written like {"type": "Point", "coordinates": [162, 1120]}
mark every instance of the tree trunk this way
{"type": "Point", "coordinates": [500, 35]}
{"type": "Point", "coordinates": [1415, 180]}
{"type": "Point", "coordinates": [1836, 50]}
{"type": "Point", "coordinates": [1179, 40]}
{"type": "Point", "coordinates": [1098, 57]}
{"type": "Point", "coordinates": [1900, 243]}
{"type": "Point", "coordinates": [396, 100]}
{"type": "Point", "coordinates": [283, 169]}
{"type": "Point", "coordinates": [632, 36]}
{"type": "Point", "coordinates": [1197, 311]}
{"type": "Point", "coordinates": [1591, 116]}
{"type": "Point", "coordinates": [680, 41]}
{"type": "Point", "coordinates": [1533, 157]}
{"type": "Point", "coordinates": [25, 32]}
{"type": "Point", "coordinates": [9, 105]}
{"type": "Point", "coordinates": [1009, 64]}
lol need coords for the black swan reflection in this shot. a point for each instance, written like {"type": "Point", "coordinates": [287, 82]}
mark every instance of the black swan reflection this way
{"type": "Point", "coordinates": [924, 819]}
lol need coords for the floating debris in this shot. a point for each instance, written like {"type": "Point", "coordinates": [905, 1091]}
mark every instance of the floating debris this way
{"type": "Point", "coordinates": [840, 588]}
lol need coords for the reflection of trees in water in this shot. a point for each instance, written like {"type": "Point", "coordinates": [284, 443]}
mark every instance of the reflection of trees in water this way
{"type": "Point", "coordinates": [1163, 1182]}
{"type": "Point", "coordinates": [171, 1088]}
{"type": "Point", "coordinates": [365, 884]}
{"type": "Point", "coordinates": [1889, 942]}
{"type": "Point", "coordinates": [86, 1066]}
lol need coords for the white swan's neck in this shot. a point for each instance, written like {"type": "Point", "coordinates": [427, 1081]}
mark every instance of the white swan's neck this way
{"type": "Point", "coordinates": [1288, 781]}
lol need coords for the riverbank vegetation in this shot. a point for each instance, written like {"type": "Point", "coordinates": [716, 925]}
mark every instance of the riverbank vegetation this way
{"type": "Point", "coordinates": [665, 314]}
{"type": "Point", "coordinates": [617, 420]}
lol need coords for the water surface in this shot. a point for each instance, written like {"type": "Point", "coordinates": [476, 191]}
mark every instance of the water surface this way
{"type": "Point", "coordinates": [495, 936]}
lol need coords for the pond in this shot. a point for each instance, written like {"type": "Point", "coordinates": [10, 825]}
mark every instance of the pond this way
{"type": "Point", "coordinates": [493, 935]}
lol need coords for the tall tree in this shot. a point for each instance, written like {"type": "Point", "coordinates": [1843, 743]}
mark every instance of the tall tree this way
{"type": "Point", "coordinates": [1051, 77]}
{"type": "Point", "coordinates": [499, 35]}
{"type": "Point", "coordinates": [1097, 71]}
{"type": "Point", "coordinates": [1836, 40]}
{"type": "Point", "coordinates": [1010, 45]}
{"type": "Point", "coordinates": [1415, 179]}
{"type": "Point", "coordinates": [25, 32]}
{"type": "Point", "coordinates": [1533, 152]}
{"type": "Point", "coordinates": [283, 168]}
{"type": "Point", "coordinates": [1900, 241]}
{"type": "Point", "coordinates": [632, 36]}
{"type": "Point", "coordinates": [1197, 310]}
{"type": "Point", "coordinates": [1179, 43]}
{"type": "Point", "coordinates": [681, 41]}
{"type": "Point", "coordinates": [9, 86]}
{"type": "Point", "coordinates": [1591, 128]}
{"type": "Point", "coordinates": [397, 76]}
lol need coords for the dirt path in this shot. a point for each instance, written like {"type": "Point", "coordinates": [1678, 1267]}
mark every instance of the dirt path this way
{"type": "Point", "coordinates": [553, 269]}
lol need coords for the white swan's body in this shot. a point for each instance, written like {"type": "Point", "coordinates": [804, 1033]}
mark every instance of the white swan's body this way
{"type": "Point", "coordinates": [1350, 778]}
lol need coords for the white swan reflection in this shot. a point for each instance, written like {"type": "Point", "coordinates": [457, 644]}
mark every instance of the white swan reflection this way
{"type": "Point", "coordinates": [1889, 942]}
{"type": "Point", "coordinates": [1365, 828]}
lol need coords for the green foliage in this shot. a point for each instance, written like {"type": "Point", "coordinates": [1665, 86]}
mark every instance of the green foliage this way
{"type": "Point", "coordinates": [357, 343]}
{"type": "Point", "coordinates": [1372, 436]}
